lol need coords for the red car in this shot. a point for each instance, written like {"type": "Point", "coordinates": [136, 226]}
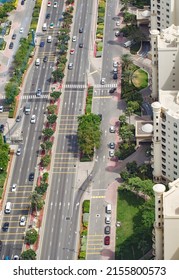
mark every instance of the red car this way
{"type": "Point", "coordinates": [107, 240]}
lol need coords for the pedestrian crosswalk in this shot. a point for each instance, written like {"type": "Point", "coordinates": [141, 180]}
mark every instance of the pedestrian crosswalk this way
{"type": "Point", "coordinates": [66, 86]}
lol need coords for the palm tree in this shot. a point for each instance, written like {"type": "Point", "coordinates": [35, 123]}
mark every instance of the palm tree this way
{"type": "Point", "coordinates": [126, 61]}
{"type": "Point", "coordinates": [35, 199]}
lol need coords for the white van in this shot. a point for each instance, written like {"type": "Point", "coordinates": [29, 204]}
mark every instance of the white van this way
{"type": "Point", "coordinates": [37, 62]}
{"type": "Point", "coordinates": [44, 27]}
{"type": "Point", "coordinates": [108, 208]}
{"type": "Point", "coordinates": [49, 39]}
{"type": "Point", "coordinates": [127, 44]}
{"type": "Point", "coordinates": [8, 208]}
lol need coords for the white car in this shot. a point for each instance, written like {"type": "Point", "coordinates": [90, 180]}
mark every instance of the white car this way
{"type": "Point", "coordinates": [115, 70]}
{"type": "Point", "coordinates": [74, 39]}
{"type": "Point", "coordinates": [103, 81]}
{"type": "Point", "coordinates": [51, 25]}
{"type": "Point", "coordinates": [33, 119]}
{"type": "Point", "coordinates": [21, 30]}
{"type": "Point", "coordinates": [72, 51]}
{"type": "Point", "coordinates": [49, 4]}
{"type": "Point", "coordinates": [107, 220]}
{"type": "Point", "coordinates": [1, 109]}
{"type": "Point", "coordinates": [22, 222]}
{"type": "Point", "coordinates": [111, 153]}
{"type": "Point", "coordinates": [55, 5]}
{"type": "Point", "coordinates": [18, 153]}
{"type": "Point", "coordinates": [112, 129]}
{"type": "Point", "coordinates": [115, 63]}
{"type": "Point", "coordinates": [14, 186]}
{"type": "Point", "coordinates": [117, 23]}
{"type": "Point", "coordinates": [16, 257]}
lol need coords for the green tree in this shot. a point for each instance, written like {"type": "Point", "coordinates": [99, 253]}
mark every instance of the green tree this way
{"type": "Point", "coordinates": [52, 109]}
{"type": "Point", "coordinates": [55, 95]}
{"type": "Point", "coordinates": [36, 201]}
{"type": "Point", "coordinates": [129, 18]}
{"type": "Point", "coordinates": [28, 255]}
{"type": "Point", "coordinates": [133, 106]}
{"type": "Point", "coordinates": [45, 160]}
{"type": "Point", "coordinates": [4, 158]}
{"type": "Point", "coordinates": [42, 188]}
{"type": "Point", "coordinates": [126, 61]}
{"type": "Point", "coordinates": [52, 118]}
{"type": "Point", "coordinates": [48, 132]}
{"type": "Point", "coordinates": [31, 236]}
{"type": "Point", "coordinates": [58, 75]}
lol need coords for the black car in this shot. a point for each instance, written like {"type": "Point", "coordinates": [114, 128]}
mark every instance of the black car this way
{"type": "Point", "coordinates": [11, 45]}
{"type": "Point", "coordinates": [5, 226]}
{"type": "Point", "coordinates": [115, 76]}
{"type": "Point", "coordinates": [112, 90]}
{"type": "Point", "coordinates": [22, 2]}
{"type": "Point", "coordinates": [2, 128]}
{"type": "Point", "coordinates": [45, 59]}
{"type": "Point", "coordinates": [112, 145]}
{"type": "Point", "coordinates": [81, 30]}
{"type": "Point", "coordinates": [81, 45]}
{"type": "Point", "coordinates": [31, 177]}
{"type": "Point", "coordinates": [47, 16]}
{"type": "Point", "coordinates": [14, 36]}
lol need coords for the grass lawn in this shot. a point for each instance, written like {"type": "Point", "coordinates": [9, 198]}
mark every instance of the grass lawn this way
{"type": "Point", "coordinates": [140, 79]}
{"type": "Point", "coordinates": [127, 241]}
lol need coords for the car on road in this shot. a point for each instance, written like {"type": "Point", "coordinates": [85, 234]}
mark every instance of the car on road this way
{"type": "Point", "coordinates": [33, 119]}
{"type": "Point", "coordinates": [112, 145]}
{"type": "Point", "coordinates": [74, 39]}
{"type": "Point", "coordinates": [112, 129]}
{"type": "Point", "coordinates": [115, 76]}
{"type": "Point", "coordinates": [115, 70]}
{"type": "Point", "coordinates": [7, 258]}
{"type": "Point", "coordinates": [107, 230]}
{"type": "Point", "coordinates": [111, 153]}
{"type": "Point", "coordinates": [31, 177]}
{"type": "Point", "coordinates": [1, 128]}
{"type": "Point", "coordinates": [103, 81]}
{"type": "Point", "coordinates": [18, 119]}
{"type": "Point", "coordinates": [16, 257]}
{"type": "Point", "coordinates": [72, 51]}
{"type": "Point", "coordinates": [55, 5]}
{"type": "Point", "coordinates": [112, 90]}
{"type": "Point", "coordinates": [39, 92]}
{"type": "Point", "coordinates": [81, 30]}
{"type": "Point", "coordinates": [14, 36]}
{"type": "Point", "coordinates": [37, 62]}
{"type": "Point", "coordinates": [45, 59]}
{"type": "Point", "coordinates": [14, 186]}
{"type": "Point", "coordinates": [11, 45]}
{"type": "Point", "coordinates": [115, 63]}
{"type": "Point", "coordinates": [107, 240]}
{"type": "Point", "coordinates": [42, 44]}
{"type": "Point", "coordinates": [70, 66]}
{"type": "Point", "coordinates": [22, 222]}
{"type": "Point", "coordinates": [1, 109]}
{"type": "Point", "coordinates": [18, 153]}
{"type": "Point", "coordinates": [51, 25]}
{"type": "Point", "coordinates": [49, 4]}
{"type": "Point", "coordinates": [117, 23]}
{"type": "Point", "coordinates": [5, 226]}
{"type": "Point", "coordinates": [21, 30]}
{"type": "Point", "coordinates": [81, 45]}
{"type": "Point", "coordinates": [22, 2]}
{"type": "Point", "coordinates": [47, 15]}
{"type": "Point", "coordinates": [107, 220]}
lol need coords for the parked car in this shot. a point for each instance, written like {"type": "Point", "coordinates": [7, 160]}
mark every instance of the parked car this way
{"type": "Point", "coordinates": [22, 222]}
{"type": "Point", "coordinates": [1, 109]}
{"type": "Point", "coordinates": [111, 153]}
{"type": "Point", "coordinates": [33, 119]}
{"type": "Point", "coordinates": [107, 230]}
{"type": "Point", "coordinates": [11, 45]}
{"type": "Point", "coordinates": [21, 30]}
{"type": "Point", "coordinates": [107, 240]}
{"type": "Point", "coordinates": [112, 129]}
{"type": "Point", "coordinates": [115, 76]}
{"type": "Point", "coordinates": [22, 2]}
{"type": "Point", "coordinates": [2, 128]}
{"type": "Point", "coordinates": [117, 23]}
{"type": "Point", "coordinates": [5, 226]}
{"type": "Point", "coordinates": [107, 220]}
{"type": "Point", "coordinates": [112, 90]}
{"type": "Point", "coordinates": [117, 33]}
{"type": "Point", "coordinates": [112, 145]}
{"type": "Point", "coordinates": [74, 39]}
{"type": "Point", "coordinates": [14, 36]}
{"type": "Point", "coordinates": [115, 63]}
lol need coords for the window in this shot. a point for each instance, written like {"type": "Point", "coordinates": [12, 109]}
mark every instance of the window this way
{"type": "Point", "coordinates": [175, 172]}
{"type": "Point", "coordinates": [175, 139]}
{"type": "Point", "coordinates": [175, 159]}
{"type": "Point", "coordinates": [175, 125]}
{"type": "Point", "coordinates": [175, 153]}
{"type": "Point", "coordinates": [175, 166]}
{"type": "Point", "coordinates": [175, 132]}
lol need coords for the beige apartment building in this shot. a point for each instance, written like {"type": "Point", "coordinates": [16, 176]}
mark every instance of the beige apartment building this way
{"type": "Point", "coordinates": [165, 144]}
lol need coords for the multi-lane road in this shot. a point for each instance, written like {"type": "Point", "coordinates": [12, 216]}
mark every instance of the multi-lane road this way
{"type": "Point", "coordinates": [59, 235]}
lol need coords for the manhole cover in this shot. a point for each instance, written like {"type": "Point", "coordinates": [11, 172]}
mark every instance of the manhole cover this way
{"type": "Point", "coordinates": [97, 215]}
